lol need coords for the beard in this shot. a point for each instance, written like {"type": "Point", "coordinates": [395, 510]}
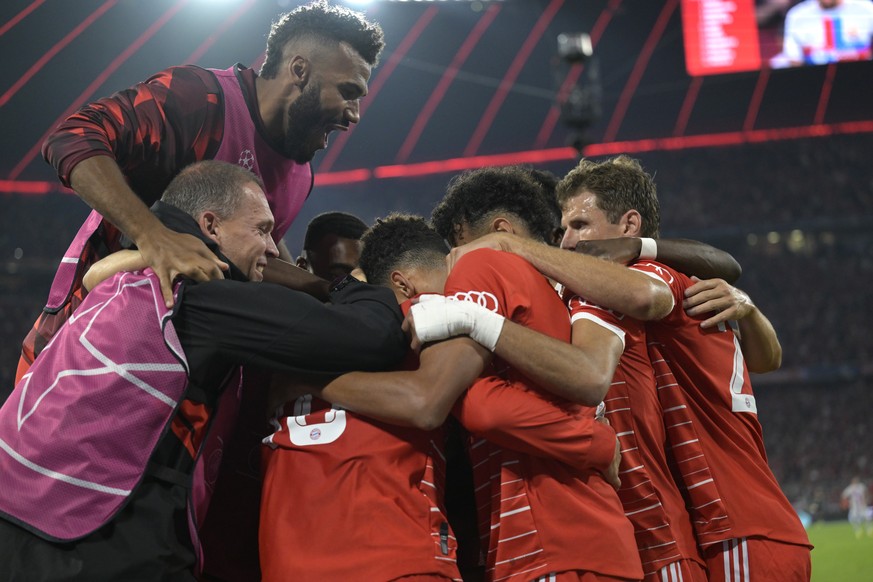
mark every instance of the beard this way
{"type": "Point", "coordinates": [305, 125]}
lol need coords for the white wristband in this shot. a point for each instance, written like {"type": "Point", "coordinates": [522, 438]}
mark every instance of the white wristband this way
{"type": "Point", "coordinates": [487, 327]}
{"type": "Point", "coordinates": [648, 248]}
{"type": "Point", "coordinates": [439, 318]}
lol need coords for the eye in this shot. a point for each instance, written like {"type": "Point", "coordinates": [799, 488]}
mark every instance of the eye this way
{"type": "Point", "coordinates": [350, 92]}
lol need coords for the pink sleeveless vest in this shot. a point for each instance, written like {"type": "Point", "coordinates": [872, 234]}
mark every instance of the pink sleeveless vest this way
{"type": "Point", "coordinates": [78, 430]}
{"type": "Point", "coordinates": [286, 182]}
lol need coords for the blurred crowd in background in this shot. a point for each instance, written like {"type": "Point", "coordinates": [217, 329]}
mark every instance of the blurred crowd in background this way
{"type": "Point", "coordinates": [797, 215]}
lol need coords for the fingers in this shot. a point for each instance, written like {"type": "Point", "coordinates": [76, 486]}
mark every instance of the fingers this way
{"type": "Point", "coordinates": [167, 292]}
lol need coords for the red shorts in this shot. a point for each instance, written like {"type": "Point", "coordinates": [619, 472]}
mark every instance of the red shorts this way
{"type": "Point", "coordinates": [757, 560]}
{"type": "Point", "coordinates": [679, 571]}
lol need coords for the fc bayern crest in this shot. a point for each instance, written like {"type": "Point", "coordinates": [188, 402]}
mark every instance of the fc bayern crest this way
{"type": "Point", "coordinates": [315, 434]}
{"type": "Point", "coordinates": [247, 159]}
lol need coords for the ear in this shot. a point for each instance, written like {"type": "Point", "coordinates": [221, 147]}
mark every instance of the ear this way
{"type": "Point", "coordinates": [502, 224]}
{"type": "Point", "coordinates": [632, 223]}
{"type": "Point", "coordinates": [300, 69]}
{"type": "Point", "coordinates": [208, 222]}
{"type": "Point", "coordinates": [403, 285]}
{"type": "Point", "coordinates": [302, 262]}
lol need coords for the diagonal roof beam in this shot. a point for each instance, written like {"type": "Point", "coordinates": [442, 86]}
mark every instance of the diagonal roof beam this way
{"type": "Point", "coordinates": [639, 68]}
{"type": "Point", "coordinates": [511, 75]}
{"type": "Point", "coordinates": [445, 81]}
{"type": "Point", "coordinates": [89, 90]}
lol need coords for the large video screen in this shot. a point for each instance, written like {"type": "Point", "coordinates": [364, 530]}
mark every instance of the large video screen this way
{"type": "Point", "coordinates": [725, 36]}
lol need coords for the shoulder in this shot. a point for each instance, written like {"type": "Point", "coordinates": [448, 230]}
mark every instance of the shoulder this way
{"type": "Point", "coordinates": [492, 260]}
{"type": "Point", "coordinates": [660, 271]}
{"type": "Point", "coordinates": [185, 76]}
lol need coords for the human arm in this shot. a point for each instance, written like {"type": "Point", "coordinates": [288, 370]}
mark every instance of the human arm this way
{"type": "Point", "coordinates": [420, 398]}
{"type": "Point", "coordinates": [687, 256]}
{"type": "Point", "coordinates": [98, 180]}
{"type": "Point", "coordinates": [602, 282]}
{"type": "Point", "coordinates": [293, 277]}
{"type": "Point", "coordinates": [126, 260]}
{"type": "Point", "coordinates": [119, 153]}
{"type": "Point", "coordinates": [758, 340]}
{"type": "Point", "coordinates": [580, 371]}
{"type": "Point", "coordinates": [532, 423]}
{"type": "Point", "coordinates": [526, 422]}
{"type": "Point", "coordinates": [791, 47]}
{"type": "Point", "coordinates": [268, 326]}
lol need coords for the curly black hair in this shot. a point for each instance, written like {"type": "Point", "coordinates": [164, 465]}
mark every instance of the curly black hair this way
{"type": "Point", "coordinates": [339, 223]}
{"type": "Point", "coordinates": [620, 184]}
{"type": "Point", "coordinates": [397, 241]}
{"type": "Point", "coordinates": [329, 23]}
{"type": "Point", "coordinates": [474, 197]}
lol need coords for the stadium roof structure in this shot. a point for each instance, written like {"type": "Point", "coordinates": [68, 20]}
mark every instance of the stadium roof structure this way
{"type": "Point", "coordinates": [461, 83]}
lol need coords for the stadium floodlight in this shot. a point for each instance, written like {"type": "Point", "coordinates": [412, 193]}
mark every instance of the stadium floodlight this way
{"type": "Point", "coordinates": [575, 47]}
{"type": "Point", "coordinates": [580, 103]}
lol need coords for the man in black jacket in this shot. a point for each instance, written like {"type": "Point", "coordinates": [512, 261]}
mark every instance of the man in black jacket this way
{"type": "Point", "coordinates": [68, 512]}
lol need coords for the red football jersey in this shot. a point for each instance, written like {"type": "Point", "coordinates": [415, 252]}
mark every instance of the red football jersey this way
{"type": "Point", "coordinates": [538, 514]}
{"type": "Point", "coordinates": [713, 426]}
{"type": "Point", "coordinates": [650, 497]}
{"type": "Point", "coordinates": [349, 498]}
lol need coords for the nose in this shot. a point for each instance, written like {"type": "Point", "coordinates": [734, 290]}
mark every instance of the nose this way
{"type": "Point", "coordinates": [570, 239]}
{"type": "Point", "coordinates": [353, 111]}
{"type": "Point", "coordinates": [272, 250]}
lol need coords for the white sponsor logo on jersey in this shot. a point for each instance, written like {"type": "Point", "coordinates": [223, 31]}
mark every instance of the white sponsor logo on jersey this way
{"type": "Point", "coordinates": [483, 298]}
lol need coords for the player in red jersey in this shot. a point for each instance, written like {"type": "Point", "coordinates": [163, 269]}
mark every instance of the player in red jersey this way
{"type": "Point", "coordinates": [346, 497]}
{"type": "Point", "coordinates": [744, 525]}
{"type": "Point", "coordinates": [538, 460]}
{"type": "Point", "coordinates": [602, 200]}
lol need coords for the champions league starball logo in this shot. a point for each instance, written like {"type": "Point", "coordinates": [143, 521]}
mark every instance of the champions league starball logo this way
{"type": "Point", "coordinates": [247, 159]}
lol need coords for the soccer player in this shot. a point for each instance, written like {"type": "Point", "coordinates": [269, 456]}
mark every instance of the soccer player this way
{"type": "Point", "coordinates": [331, 245]}
{"type": "Point", "coordinates": [857, 498]}
{"type": "Point", "coordinates": [545, 505]}
{"type": "Point", "coordinates": [347, 497]}
{"type": "Point", "coordinates": [120, 152]}
{"type": "Point", "coordinates": [617, 199]}
{"type": "Point", "coordinates": [743, 523]}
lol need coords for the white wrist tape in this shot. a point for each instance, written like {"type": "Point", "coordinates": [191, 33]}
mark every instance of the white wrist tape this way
{"type": "Point", "coordinates": [648, 248]}
{"type": "Point", "coordinates": [438, 318]}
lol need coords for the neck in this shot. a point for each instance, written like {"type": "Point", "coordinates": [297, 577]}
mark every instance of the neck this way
{"type": "Point", "coordinates": [271, 105]}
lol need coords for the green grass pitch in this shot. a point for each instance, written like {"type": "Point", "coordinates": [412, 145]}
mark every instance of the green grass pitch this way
{"type": "Point", "coordinates": [838, 555]}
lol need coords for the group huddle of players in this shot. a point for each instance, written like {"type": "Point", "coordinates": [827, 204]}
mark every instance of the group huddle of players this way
{"type": "Point", "coordinates": [355, 471]}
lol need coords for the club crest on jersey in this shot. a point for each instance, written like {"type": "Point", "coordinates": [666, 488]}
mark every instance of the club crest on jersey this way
{"type": "Point", "coordinates": [482, 298]}
{"type": "Point", "coordinates": [318, 428]}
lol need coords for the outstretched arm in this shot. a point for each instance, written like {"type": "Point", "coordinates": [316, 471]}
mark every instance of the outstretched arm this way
{"type": "Point", "coordinates": [115, 263]}
{"type": "Point", "coordinates": [521, 420]}
{"type": "Point", "coordinates": [99, 182]}
{"type": "Point", "coordinates": [607, 284]}
{"type": "Point", "coordinates": [580, 372]}
{"type": "Point", "coordinates": [758, 340]}
{"type": "Point", "coordinates": [293, 277]}
{"type": "Point", "coordinates": [687, 256]}
{"type": "Point", "coordinates": [420, 398]}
